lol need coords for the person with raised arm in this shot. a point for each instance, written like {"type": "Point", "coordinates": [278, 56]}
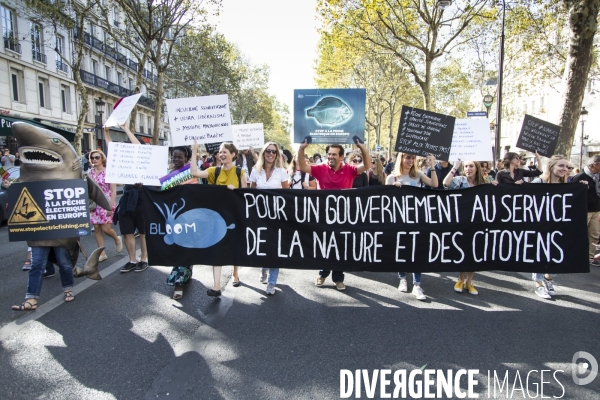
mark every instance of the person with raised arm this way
{"type": "Point", "coordinates": [130, 215]}
{"type": "Point", "coordinates": [472, 175]}
{"type": "Point", "coordinates": [334, 174]}
{"type": "Point", "coordinates": [226, 175]}
{"type": "Point", "coordinates": [405, 173]}
{"type": "Point", "coordinates": [513, 173]}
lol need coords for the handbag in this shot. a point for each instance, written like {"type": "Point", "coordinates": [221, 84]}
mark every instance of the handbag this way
{"type": "Point", "coordinates": [92, 205]}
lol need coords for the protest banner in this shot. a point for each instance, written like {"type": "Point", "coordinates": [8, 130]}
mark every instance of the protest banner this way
{"type": "Point", "coordinates": [212, 147]}
{"type": "Point", "coordinates": [121, 113]}
{"type": "Point", "coordinates": [128, 163]}
{"type": "Point", "coordinates": [424, 132]}
{"type": "Point", "coordinates": [203, 119]}
{"type": "Point", "coordinates": [44, 210]}
{"type": "Point", "coordinates": [538, 135]}
{"type": "Point", "coordinates": [248, 135]}
{"type": "Point", "coordinates": [529, 228]}
{"type": "Point", "coordinates": [471, 140]}
{"type": "Point", "coordinates": [332, 116]}
{"type": "Point", "coordinates": [181, 176]}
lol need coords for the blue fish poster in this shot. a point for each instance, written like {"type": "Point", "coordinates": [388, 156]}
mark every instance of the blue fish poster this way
{"type": "Point", "coordinates": [329, 116]}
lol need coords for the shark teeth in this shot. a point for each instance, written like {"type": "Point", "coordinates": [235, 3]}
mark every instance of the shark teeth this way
{"type": "Point", "coordinates": [40, 156]}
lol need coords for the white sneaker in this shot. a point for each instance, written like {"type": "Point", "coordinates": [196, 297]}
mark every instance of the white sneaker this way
{"type": "Point", "coordinates": [263, 275]}
{"type": "Point", "coordinates": [542, 292]}
{"type": "Point", "coordinates": [418, 292]}
{"type": "Point", "coordinates": [549, 286]}
{"type": "Point", "coordinates": [270, 289]}
{"type": "Point", "coordinates": [403, 287]}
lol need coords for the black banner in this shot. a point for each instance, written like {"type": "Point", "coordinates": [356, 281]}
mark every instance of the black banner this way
{"type": "Point", "coordinates": [538, 135]}
{"type": "Point", "coordinates": [48, 210]}
{"type": "Point", "coordinates": [526, 228]}
{"type": "Point", "coordinates": [212, 147]}
{"type": "Point", "coordinates": [424, 132]}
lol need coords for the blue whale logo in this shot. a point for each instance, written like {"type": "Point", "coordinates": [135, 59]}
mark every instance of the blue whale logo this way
{"type": "Point", "coordinates": [195, 229]}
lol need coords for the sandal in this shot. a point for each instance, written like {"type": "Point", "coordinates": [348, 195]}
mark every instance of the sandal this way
{"type": "Point", "coordinates": [237, 283]}
{"type": "Point", "coordinates": [69, 296]}
{"type": "Point", "coordinates": [177, 295]}
{"type": "Point", "coordinates": [26, 306]}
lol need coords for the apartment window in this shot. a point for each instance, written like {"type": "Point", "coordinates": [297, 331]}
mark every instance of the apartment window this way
{"type": "Point", "coordinates": [17, 85]}
{"type": "Point", "coordinates": [141, 122]}
{"type": "Point", "coordinates": [36, 42]}
{"type": "Point", "coordinates": [9, 29]}
{"type": "Point", "coordinates": [65, 97]}
{"type": "Point", "coordinates": [94, 67]}
{"type": "Point", "coordinates": [107, 73]}
{"type": "Point", "coordinates": [44, 92]}
{"type": "Point", "coordinates": [130, 84]}
{"type": "Point", "coordinates": [109, 109]}
{"type": "Point", "coordinates": [119, 78]}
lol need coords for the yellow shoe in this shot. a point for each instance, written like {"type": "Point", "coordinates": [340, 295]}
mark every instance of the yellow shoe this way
{"type": "Point", "coordinates": [458, 287]}
{"type": "Point", "coordinates": [472, 289]}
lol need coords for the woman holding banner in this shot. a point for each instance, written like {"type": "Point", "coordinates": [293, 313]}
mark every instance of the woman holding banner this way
{"type": "Point", "coordinates": [557, 171]}
{"type": "Point", "coordinates": [99, 217]}
{"type": "Point", "coordinates": [226, 175]}
{"type": "Point", "coordinates": [472, 176]}
{"type": "Point", "coordinates": [512, 173]}
{"type": "Point", "coordinates": [269, 173]}
{"type": "Point", "coordinates": [406, 173]}
{"type": "Point", "coordinates": [180, 275]}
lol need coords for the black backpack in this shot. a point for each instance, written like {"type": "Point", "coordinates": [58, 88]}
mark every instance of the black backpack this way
{"type": "Point", "coordinates": [238, 172]}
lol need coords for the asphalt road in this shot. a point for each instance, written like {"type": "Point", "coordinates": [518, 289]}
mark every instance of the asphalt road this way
{"type": "Point", "coordinates": [125, 338]}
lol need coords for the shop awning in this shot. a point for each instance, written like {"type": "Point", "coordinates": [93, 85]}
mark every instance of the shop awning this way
{"type": "Point", "coordinates": [6, 123]}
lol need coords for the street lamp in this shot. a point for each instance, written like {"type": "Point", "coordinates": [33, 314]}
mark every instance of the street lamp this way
{"type": "Point", "coordinates": [583, 114]}
{"type": "Point", "coordinates": [100, 110]}
{"type": "Point", "coordinates": [500, 75]}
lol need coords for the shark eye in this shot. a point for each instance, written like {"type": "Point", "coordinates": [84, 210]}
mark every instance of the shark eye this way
{"type": "Point", "coordinates": [169, 229]}
{"type": "Point", "coordinates": [56, 141]}
{"type": "Point", "coordinates": [177, 228]}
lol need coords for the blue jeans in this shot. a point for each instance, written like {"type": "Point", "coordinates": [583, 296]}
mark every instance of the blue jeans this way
{"type": "Point", "coordinates": [416, 277]}
{"type": "Point", "coordinates": [273, 275]}
{"type": "Point", "coordinates": [540, 277]}
{"type": "Point", "coordinates": [39, 263]}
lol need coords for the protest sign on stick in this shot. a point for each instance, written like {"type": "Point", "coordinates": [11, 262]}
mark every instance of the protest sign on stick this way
{"type": "Point", "coordinates": [424, 132]}
{"type": "Point", "coordinates": [128, 163]}
{"type": "Point", "coordinates": [212, 147]}
{"type": "Point", "coordinates": [121, 113]}
{"type": "Point", "coordinates": [203, 119]}
{"type": "Point", "coordinates": [471, 140]}
{"type": "Point", "coordinates": [332, 116]}
{"type": "Point", "coordinates": [538, 135]}
{"type": "Point", "coordinates": [248, 135]}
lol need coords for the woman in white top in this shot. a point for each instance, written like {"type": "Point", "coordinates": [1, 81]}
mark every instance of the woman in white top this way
{"type": "Point", "coordinates": [557, 171]}
{"type": "Point", "coordinates": [269, 173]}
{"type": "Point", "coordinates": [472, 176]}
{"type": "Point", "coordinates": [406, 173]}
{"type": "Point", "coordinates": [299, 179]}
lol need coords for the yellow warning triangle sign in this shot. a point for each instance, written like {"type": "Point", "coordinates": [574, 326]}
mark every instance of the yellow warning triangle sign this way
{"type": "Point", "coordinates": [26, 210]}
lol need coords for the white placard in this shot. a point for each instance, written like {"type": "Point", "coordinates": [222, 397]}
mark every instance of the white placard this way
{"type": "Point", "coordinates": [471, 140]}
{"type": "Point", "coordinates": [133, 163]}
{"type": "Point", "coordinates": [120, 114]}
{"type": "Point", "coordinates": [248, 135]}
{"type": "Point", "coordinates": [204, 119]}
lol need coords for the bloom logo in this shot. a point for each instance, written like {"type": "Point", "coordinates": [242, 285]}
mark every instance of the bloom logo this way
{"type": "Point", "coordinates": [580, 368]}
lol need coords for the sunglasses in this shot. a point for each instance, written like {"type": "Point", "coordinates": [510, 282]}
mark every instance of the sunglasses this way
{"type": "Point", "coordinates": [569, 167]}
{"type": "Point", "coordinates": [357, 160]}
{"type": "Point", "coordinates": [269, 151]}
{"type": "Point", "coordinates": [95, 158]}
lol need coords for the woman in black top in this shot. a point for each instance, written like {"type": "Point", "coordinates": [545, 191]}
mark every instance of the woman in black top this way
{"type": "Point", "coordinates": [376, 174]}
{"type": "Point", "coordinates": [361, 180]}
{"type": "Point", "coordinates": [512, 173]}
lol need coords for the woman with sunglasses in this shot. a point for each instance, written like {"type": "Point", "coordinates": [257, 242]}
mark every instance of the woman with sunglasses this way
{"type": "Point", "coordinates": [101, 218]}
{"type": "Point", "coordinates": [361, 180]}
{"type": "Point", "coordinates": [513, 173]}
{"type": "Point", "coordinates": [376, 174]}
{"type": "Point", "coordinates": [556, 171]}
{"type": "Point", "coordinates": [269, 173]}
{"type": "Point", "coordinates": [406, 174]}
{"type": "Point", "coordinates": [229, 175]}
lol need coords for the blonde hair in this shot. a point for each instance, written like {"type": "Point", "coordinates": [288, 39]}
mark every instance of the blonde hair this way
{"type": "Point", "coordinates": [261, 157]}
{"type": "Point", "coordinates": [548, 170]}
{"type": "Point", "coordinates": [102, 156]}
{"type": "Point", "coordinates": [413, 173]}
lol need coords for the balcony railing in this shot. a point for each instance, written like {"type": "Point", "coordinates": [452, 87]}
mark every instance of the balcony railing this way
{"type": "Point", "coordinates": [97, 44]}
{"type": "Point", "coordinates": [61, 66]}
{"type": "Point", "coordinates": [110, 51]}
{"type": "Point", "coordinates": [132, 64]}
{"type": "Point", "coordinates": [122, 59]}
{"type": "Point", "coordinates": [12, 44]}
{"type": "Point", "coordinates": [113, 88]}
{"type": "Point", "coordinates": [38, 56]}
{"type": "Point", "coordinates": [87, 38]}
